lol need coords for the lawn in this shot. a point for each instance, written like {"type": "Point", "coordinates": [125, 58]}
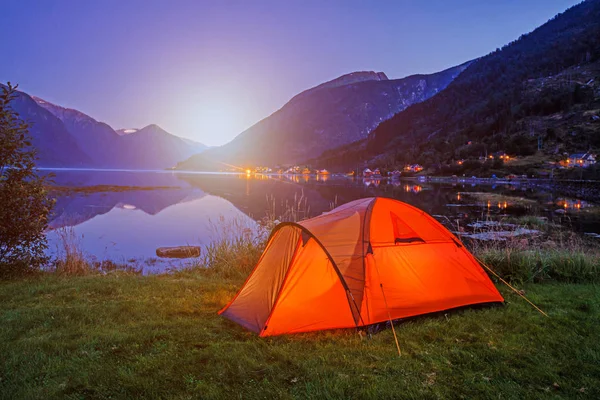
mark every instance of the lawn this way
{"type": "Point", "coordinates": [129, 336]}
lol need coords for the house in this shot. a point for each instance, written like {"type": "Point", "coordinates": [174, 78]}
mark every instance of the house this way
{"type": "Point", "coordinates": [323, 172]}
{"type": "Point", "coordinates": [376, 173]}
{"type": "Point", "coordinates": [367, 173]}
{"type": "Point", "coordinates": [413, 168]}
{"type": "Point", "coordinates": [583, 160]}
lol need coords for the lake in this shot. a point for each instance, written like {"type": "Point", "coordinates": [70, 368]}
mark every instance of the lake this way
{"type": "Point", "coordinates": [171, 208]}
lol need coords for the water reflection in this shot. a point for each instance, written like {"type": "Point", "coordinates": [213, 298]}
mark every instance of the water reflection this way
{"type": "Point", "coordinates": [126, 233]}
{"type": "Point", "coordinates": [573, 204]}
{"type": "Point", "coordinates": [131, 224]}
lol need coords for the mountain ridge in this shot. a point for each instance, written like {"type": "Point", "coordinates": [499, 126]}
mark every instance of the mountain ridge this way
{"type": "Point", "coordinates": [323, 117]}
{"type": "Point", "coordinates": [505, 101]}
{"type": "Point", "coordinates": [66, 137]}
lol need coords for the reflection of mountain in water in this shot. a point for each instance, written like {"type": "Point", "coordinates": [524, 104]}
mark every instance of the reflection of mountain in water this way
{"type": "Point", "coordinates": [254, 195]}
{"type": "Point", "coordinates": [126, 235]}
{"type": "Point", "coordinates": [121, 226]}
{"type": "Point", "coordinates": [257, 196]}
{"type": "Point", "coordinates": [76, 208]}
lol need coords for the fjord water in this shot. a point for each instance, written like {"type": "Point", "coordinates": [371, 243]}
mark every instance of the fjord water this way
{"type": "Point", "coordinates": [166, 208]}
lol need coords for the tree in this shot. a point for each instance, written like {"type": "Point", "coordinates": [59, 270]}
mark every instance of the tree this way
{"type": "Point", "coordinates": [24, 201]}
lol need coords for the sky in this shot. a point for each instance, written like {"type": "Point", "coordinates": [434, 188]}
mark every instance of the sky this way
{"type": "Point", "coordinates": [207, 70]}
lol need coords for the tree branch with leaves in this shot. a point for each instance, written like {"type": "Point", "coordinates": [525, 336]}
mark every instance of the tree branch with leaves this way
{"type": "Point", "coordinates": [25, 204]}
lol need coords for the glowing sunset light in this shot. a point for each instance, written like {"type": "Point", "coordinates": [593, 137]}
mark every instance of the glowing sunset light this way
{"type": "Point", "coordinates": [207, 71]}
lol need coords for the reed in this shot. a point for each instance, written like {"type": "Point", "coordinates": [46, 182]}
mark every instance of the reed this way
{"type": "Point", "coordinates": [71, 259]}
{"type": "Point", "coordinates": [234, 248]}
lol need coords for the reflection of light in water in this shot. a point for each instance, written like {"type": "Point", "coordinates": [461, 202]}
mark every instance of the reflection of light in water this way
{"type": "Point", "coordinates": [572, 203]}
{"type": "Point", "coordinates": [372, 182]}
{"type": "Point", "coordinates": [458, 196]}
{"type": "Point", "coordinates": [413, 188]}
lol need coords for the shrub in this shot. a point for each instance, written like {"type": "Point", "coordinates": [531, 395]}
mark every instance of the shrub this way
{"type": "Point", "coordinates": [25, 203]}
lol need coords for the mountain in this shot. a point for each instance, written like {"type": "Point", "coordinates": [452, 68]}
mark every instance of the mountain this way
{"type": "Point", "coordinates": [55, 145]}
{"type": "Point", "coordinates": [540, 90]}
{"type": "Point", "coordinates": [97, 139]}
{"type": "Point", "coordinates": [152, 146]}
{"type": "Point", "coordinates": [125, 131]}
{"type": "Point", "coordinates": [334, 113]}
{"type": "Point", "coordinates": [99, 145]}
{"type": "Point", "coordinates": [196, 146]}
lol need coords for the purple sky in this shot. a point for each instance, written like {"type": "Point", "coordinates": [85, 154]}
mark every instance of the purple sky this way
{"type": "Point", "coordinates": [207, 70]}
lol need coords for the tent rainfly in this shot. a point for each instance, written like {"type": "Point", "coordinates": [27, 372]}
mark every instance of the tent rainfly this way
{"type": "Point", "coordinates": [359, 264]}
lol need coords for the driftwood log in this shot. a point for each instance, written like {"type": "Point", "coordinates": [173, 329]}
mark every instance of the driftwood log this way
{"type": "Point", "coordinates": [178, 252]}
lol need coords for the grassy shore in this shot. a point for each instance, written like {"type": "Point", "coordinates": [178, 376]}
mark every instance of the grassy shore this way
{"type": "Point", "coordinates": [130, 336]}
{"type": "Point", "coordinates": [102, 188]}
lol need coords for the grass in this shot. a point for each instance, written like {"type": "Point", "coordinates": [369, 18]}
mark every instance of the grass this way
{"type": "Point", "coordinates": [127, 336]}
{"type": "Point", "coordinates": [541, 265]}
{"type": "Point", "coordinates": [71, 260]}
{"type": "Point", "coordinates": [81, 334]}
{"type": "Point", "coordinates": [552, 254]}
{"type": "Point", "coordinates": [234, 249]}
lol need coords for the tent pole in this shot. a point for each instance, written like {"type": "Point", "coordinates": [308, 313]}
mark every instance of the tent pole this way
{"type": "Point", "coordinates": [390, 318]}
{"type": "Point", "coordinates": [514, 290]}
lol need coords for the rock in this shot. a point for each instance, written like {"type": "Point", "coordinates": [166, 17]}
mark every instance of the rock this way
{"type": "Point", "coordinates": [178, 252]}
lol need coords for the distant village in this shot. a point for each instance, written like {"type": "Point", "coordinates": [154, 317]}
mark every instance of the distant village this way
{"type": "Point", "coordinates": [576, 160]}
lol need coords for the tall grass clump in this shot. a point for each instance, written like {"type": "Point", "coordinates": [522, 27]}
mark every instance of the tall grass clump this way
{"type": "Point", "coordinates": [234, 248]}
{"type": "Point", "coordinates": [236, 245]}
{"type": "Point", "coordinates": [552, 254]}
{"type": "Point", "coordinates": [71, 259]}
{"type": "Point", "coordinates": [561, 265]}
{"type": "Point", "coordinates": [286, 210]}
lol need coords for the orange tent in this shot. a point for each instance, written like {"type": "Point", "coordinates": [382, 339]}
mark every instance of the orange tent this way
{"type": "Point", "coordinates": [351, 266]}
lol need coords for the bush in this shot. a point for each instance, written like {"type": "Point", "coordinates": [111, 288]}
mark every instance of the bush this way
{"type": "Point", "coordinates": [25, 203]}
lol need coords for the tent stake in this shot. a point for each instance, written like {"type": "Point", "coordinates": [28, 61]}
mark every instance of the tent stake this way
{"type": "Point", "coordinates": [390, 318]}
{"type": "Point", "coordinates": [515, 290]}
